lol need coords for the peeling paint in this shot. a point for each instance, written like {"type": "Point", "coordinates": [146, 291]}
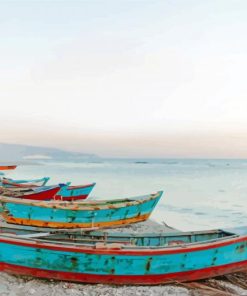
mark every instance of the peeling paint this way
{"type": "Point", "coordinates": [78, 214]}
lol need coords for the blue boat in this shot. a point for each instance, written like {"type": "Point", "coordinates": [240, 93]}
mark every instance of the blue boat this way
{"type": "Point", "coordinates": [118, 258]}
{"type": "Point", "coordinates": [78, 214]}
{"type": "Point", "coordinates": [70, 193]}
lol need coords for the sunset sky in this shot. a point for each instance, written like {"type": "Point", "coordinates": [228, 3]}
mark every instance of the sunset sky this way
{"type": "Point", "coordinates": [125, 78]}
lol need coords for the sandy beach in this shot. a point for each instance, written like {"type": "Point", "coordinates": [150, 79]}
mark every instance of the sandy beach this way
{"type": "Point", "coordinates": [139, 108]}
{"type": "Point", "coordinates": [11, 285]}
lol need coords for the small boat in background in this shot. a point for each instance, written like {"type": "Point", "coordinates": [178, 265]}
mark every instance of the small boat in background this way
{"type": "Point", "coordinates": [70, 193]}
{"type": "Point", "coordinates": [7, 167]}
{"type": "Point", "coordinates": [122, 258]}
{"type": "Point", "coordinates": [66, 193]}
{"type": "Point", "coordinates": [83, 214]}
{"type": "Point", "coordinates": [7, 182]}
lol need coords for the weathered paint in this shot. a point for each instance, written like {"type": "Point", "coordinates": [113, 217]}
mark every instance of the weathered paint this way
{"type": "Point", "coordinates": [75, 192]}
{"type": "Point", "coordinates": [60, 214]}
{"type": "Point", "coordinates": [102, 224]}
{"type": "Point", "coordinates": [121, 263]}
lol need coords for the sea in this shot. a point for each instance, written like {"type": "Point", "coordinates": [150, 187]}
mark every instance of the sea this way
{"type": "Point", "coordinates": [199, 194]}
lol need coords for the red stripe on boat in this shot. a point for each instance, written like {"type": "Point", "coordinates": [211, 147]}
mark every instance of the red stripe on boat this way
{"type": "Point", "coordinates": [70, 198]}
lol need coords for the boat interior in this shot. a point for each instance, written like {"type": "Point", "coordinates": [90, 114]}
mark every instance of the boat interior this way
{"type": "Point", "coordinates": [145, 240]}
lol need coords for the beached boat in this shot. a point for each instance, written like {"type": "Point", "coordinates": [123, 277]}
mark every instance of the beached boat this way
{"type": "Point", "coordinates": [83, 214]}
{"type": "Point", "coordinates": [119, 258]}
{"type": "Point", "coordinates": [7, 182]}
{"type": "Point", "coordinates": [7, 167]}
{"type": "Point", "coordinates": [70, 193]}
{"type": "Point", "coordinates": [39, 193]}
{"type": "Point", "coordinates": [67, 193]}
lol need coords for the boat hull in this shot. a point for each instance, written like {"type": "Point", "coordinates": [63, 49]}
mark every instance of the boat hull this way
{"type": "Point", "coordinates": [124, 280]}
{"type": "Point", "coordinates": [101, 224]}
{"type": "Point", "coordinates": [37, 195]}
{"type": "Point", "coordinates": [117, 265]}
{"type": "Point", "coordinates": [43, 195]}
{"type": "Point", "coordinates": [60, 214]}
{"type": "Point", "coordinates": [71, 193]}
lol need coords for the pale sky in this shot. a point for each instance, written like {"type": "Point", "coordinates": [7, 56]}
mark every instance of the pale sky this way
{"type": "Point", "coordinates": [125, 78]}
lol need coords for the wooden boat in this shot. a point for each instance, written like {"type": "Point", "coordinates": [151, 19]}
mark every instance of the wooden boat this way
{"type": "Point", "coordinates": [83, 214]}
{"type": "Point", "coordinates": [7, 182]}
{"type": "Point", "coordinates": [7, 167]}
{"type": "Point", "coordinates": [70, 193]}
{"type": "Point", "coordinates": [118, 258]}
{"type": "Point", "coordinates": [66, 193]}
{"type": "Point", "coordinates": [40, 193]}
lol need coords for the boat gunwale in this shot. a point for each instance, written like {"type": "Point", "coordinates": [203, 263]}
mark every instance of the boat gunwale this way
{"type": "Point", "coordinates": [122, 249]}
{"type": "Point", "coordinates": [72, 187]}
{"type": "Point", "coordinates": [24, 191]}
{"type": "Point", "coordinates": [97, 232]}
{"type": "Point", "coordinates": [26, 182]}
{"type": "Point", "coordinates": [91, 231]}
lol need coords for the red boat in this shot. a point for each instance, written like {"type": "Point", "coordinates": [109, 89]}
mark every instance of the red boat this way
{"type": "Point", "coordinates": [7, 167]}
{"type": "Point", "coordinates": [35, 194]}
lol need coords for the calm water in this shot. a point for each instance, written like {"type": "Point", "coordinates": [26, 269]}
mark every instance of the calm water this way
{"type": "Point", "coordinates": [199, 194]}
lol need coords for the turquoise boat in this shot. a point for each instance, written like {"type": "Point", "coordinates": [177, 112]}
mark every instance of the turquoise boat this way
{"type": "Point", "coordinates": [118, 258]}
{"type": "Point", "coordinates": [78, 214]}
{"type": "Point", "coordinates": [66, 193]}
{"type": "Point", "coordinates": [78, 192]}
